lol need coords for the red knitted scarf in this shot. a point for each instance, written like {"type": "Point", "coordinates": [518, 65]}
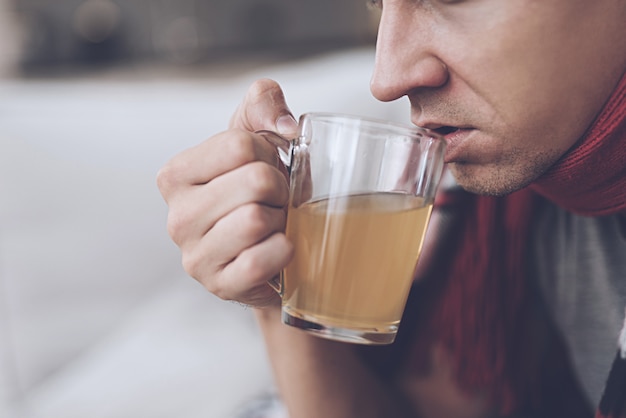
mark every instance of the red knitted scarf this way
{"type": "Point", "coordinates": [479, 310]}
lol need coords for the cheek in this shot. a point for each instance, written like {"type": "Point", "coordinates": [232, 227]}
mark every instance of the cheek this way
{"type": "Point", "coordinates": [522, 124]}
{"type": "Point", "coordinates": [519, 84]}
{"type": "Point", "coordinates": [526, 107]}
{"type": "Point", "coordinates": [539, 118]}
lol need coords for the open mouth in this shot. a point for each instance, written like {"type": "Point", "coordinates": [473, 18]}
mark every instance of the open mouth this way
{"type": "Point", "coordinates": [446, 130]}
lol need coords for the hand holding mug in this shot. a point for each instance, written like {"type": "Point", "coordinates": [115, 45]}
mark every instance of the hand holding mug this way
{"type": "Point", "coordinates": [226, 199]}
{"type": "Point", "coordinates": [359, 194]}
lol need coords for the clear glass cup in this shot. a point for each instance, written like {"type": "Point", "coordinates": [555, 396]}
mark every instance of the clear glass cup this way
{"type": "Point", "coordinates": [361, 195]}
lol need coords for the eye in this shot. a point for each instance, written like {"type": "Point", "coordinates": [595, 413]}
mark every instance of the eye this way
{"type": "Point", "coordinates": [374, 4]}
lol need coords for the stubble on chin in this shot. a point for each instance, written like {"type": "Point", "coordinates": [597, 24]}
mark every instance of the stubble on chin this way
{"type": "Point", "coordinates": [503, 178]}
{"type": "Point", "coordinates": [488, 184]}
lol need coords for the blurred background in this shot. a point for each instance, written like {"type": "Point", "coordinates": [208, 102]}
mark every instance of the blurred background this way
{"type": "Point", "coordinates": [97, 318]}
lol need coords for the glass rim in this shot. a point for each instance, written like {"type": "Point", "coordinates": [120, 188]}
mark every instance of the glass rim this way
{"type": "Point", "coordinates": [374, 122]}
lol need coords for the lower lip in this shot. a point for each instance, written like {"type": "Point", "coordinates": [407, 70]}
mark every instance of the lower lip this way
{"type": "Point", "coordinates": [454, 141]}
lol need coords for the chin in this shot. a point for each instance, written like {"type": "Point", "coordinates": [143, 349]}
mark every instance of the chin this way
{"type": "Point", "coordinates": [490, 181]}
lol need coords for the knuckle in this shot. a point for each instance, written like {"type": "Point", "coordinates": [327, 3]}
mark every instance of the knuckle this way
{"type": "Point", "coordinates": [177, 222]}
{"type": "Point", "coordinates": [216, 290]}
{"type": "Point", "coordinates": [262, 180]}
{"type": "Point", "coordinates": [195, 265]}
{"type": "Point", "coordinates": [240, 147]}
{"type": "Point", "coordinates": [191, 264]}
{"type": "Point", "coordinates": [250, 266]}
{"type": "Point", "coordinates": [172, 176]}
{"type": "Point", "coordinates": [219, 292]}
{"type": "Point", "coordinates": [166, 178]}
{"type": "Point", "coordinates": [213, 286]}
{"type": "Point", "coordinates": [256, 220]}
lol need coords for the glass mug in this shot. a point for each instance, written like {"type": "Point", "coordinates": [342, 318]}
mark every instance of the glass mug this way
{"type": "Point", "coordinates": [360, 198]}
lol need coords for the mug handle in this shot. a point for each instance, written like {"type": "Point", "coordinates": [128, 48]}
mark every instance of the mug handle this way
{"type": "Point", "coordinates": [283, 145]}
{"type": "Point", "coordinates": [284, 148]}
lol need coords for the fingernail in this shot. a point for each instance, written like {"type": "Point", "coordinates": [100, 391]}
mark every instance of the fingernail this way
{"type": "Point", "coordinates": [286, 125]}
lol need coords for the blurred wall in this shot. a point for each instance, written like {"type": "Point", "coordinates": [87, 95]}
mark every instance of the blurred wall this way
{"type": "Point", "coordinates": [182, 31]}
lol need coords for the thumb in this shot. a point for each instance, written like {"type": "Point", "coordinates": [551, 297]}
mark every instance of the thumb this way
{"type": "Point", "coordinates": [264, 108]}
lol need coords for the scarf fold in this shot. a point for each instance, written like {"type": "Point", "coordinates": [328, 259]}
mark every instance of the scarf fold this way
{"type": "Point", "coordinates": [478, 307]}
{"type": "Point", "coordinates": [591, 179]}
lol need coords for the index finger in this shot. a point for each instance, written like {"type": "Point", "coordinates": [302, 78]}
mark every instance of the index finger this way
{"type": "Point", "coordinates": [218, 155]}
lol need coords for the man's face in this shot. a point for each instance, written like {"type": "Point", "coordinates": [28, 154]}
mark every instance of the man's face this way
{"type": "Point", "coordinates": [512, 83]}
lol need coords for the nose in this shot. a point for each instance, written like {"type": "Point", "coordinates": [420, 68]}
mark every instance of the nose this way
{"type": "Point", "coordinates": [405, 59]}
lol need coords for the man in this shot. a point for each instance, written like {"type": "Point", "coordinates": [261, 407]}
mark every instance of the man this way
{"type": "Point", "coordinates": [519, 311]}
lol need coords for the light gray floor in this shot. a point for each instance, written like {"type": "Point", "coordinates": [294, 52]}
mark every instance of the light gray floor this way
{"type": "Point", "coordinates": [97, 318]}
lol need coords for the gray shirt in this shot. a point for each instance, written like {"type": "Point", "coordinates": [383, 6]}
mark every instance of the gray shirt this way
{"type": "Point", "coordinates": [580, 263]}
